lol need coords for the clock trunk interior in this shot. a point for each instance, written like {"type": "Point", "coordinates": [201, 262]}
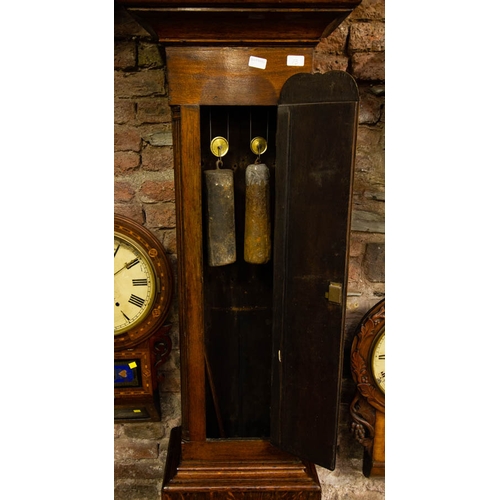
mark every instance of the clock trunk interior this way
{"type": "Point", "coordinates": [238, 298]}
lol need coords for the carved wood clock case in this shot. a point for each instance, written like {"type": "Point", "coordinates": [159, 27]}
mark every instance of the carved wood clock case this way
{"type": "Point", "coordinates": [261, 313]}
{"type": "Point", "coordinates": [143, 293]}
{"type": "Point", "coordinates": [368, 406]}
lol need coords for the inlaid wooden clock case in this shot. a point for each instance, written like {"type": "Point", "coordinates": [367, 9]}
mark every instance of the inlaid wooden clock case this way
{"type": "Point", "coordinates": [294, 327]}
{"type": "Point", "coordinates": [142, 347]}
{"type": "Point", "coordinates": [368, 405]}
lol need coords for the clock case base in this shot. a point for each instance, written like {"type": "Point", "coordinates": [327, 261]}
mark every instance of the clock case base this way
{"type": "Point", "coordinates": [236, 468]}
{"type": "Point", "coordinates": [145, 409]}
{"type": "Point", "coordinates": [142, 403]}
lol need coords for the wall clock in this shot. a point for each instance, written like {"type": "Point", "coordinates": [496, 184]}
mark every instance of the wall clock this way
{"type": "Point", "coordinates": [143, 283]}
{"type": "Point", "coordinates": [143, 287]}
{"type": "Point", "coordinates": [368, 406]}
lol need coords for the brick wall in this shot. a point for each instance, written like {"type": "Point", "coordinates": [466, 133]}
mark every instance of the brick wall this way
{"type": "Point", "coordinates": [144, 191]}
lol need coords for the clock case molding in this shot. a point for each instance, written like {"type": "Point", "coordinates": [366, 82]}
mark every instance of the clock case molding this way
{"type": "Point", "coordinates": [208, 45]}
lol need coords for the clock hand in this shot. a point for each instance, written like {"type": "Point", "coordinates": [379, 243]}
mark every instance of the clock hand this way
{"type": "Point", "coordinates": [128, 265]}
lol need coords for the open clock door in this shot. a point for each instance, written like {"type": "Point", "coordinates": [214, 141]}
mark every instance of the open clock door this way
{"type": "Point", "coordinates": [316, 138]}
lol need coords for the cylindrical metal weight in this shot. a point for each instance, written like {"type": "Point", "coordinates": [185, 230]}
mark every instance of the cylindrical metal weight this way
{"type": "Point", "coordinates": [257, 215]}
{"type": "Point", "coordinates": [221, 235]}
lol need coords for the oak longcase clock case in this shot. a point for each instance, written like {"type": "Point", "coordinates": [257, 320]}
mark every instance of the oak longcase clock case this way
{"type": "Point", "coordinates": [261, 343]}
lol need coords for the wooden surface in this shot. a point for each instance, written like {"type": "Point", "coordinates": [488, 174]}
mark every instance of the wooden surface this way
{"type": "Point", "coordinates": [367, 408]}
{"type": "Point", "coordinates": [149, 355]}
{"type": "Point", "coordinates": [374, 457]}
{"type": "Point", "coordinates": [186, 134]}
{"type": "Point", "coordinates": [370, 326]}
{"type": "Point", "coordinates": [317, 122]}
{"type": "Point", "coordinates": [223, 76]}
{"type": "Point", "coordinates": [237, 469]}
{"type": "Point", "coordinates": [299, 22]}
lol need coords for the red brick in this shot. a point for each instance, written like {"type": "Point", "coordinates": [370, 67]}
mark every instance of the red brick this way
{"type": "Point", "coordinates": [135, 491]}
{"type": "Point", "coordinates": [135, 449]}
{"type": "Point", "coordinates": [367, 37]}
{"type": "Point", "coordinates": [329, 62]}
{"type": "Point", "coordinates": [356, 246]}
{"type": "Point", "coordinates": [170, 373]}
{"type": "Point", "coordinates": [374, 262]}
{"type": "Point", "coordinates": [335, 43]}
{"type": "Point", "coordinates": [170, 241]}
{"type": "Point", "coordinates": [149, 55]}
{"type": "Point", "coordinates": [369, 65]}
{"type": "Point", "coordinates": [124, 111]}
{"type": "Point", "coordinates": [131, 210]}
{"type": "Point", "coordinates": [370, 138]}
{"type": "Point", "coordinates": [354, 269]}
{"type": "Point", "coordinates": [125, 51]}
{"type": "Point", "coordinates": [370, 108]}
{"type": "Point", "coordinates": [126, 161]}
{"type": "Point", "coordinates": [153, 110]}
{"type": "Point", "coordinates": [123, 191]}
{"type": "Point", "coordinates": [171, 382]}
{"type": "Point", "coordinates": [369, 9]}
{"type": "Point", "coordinates": [154, 191]}
{"type": "Point", "coordinates": [140, 83]}
{"type": "Point", "coordinates": [145, 430]}
{"type": "Point", "coordinates": [139, 469]}
{"type": "Point", "coordinates": [160, 215]}
{"type": "Point", "coordinates": [127, 139]}
{"type": "Point", "coordinates": [159, 134]}
{"type": "Point", "coordinates": [158, 159]}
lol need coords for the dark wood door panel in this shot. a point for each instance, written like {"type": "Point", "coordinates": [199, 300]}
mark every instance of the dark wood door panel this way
{"type": "Point", "coordinates": [317, 119]}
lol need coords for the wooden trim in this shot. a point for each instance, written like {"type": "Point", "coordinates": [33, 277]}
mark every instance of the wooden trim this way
{"type": "Point", "coordinates": [186, 133]}
{"type": "Point", "coordinates": [246, 4]}
{"type": "Point", "coordinates": [241, 23]}
{"type": "Point", "coordinates": [237, 469]}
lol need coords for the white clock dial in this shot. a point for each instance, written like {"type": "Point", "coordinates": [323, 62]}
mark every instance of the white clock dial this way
{"type": "Point", "coordinates": [378, 362]}
{"type": "Point", "coordinates": [134, 284]}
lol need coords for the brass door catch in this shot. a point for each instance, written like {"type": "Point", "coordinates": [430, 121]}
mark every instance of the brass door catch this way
{"type": "Point", "coordinates": [334, 293]}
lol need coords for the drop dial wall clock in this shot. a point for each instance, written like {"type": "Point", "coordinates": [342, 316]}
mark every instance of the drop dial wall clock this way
{"type": "Point", "coordinates": [368, 406]}
{"type": "Point", "coordinates": [143, 283]}
{"type": "Point", "coordinates": [377, 359]}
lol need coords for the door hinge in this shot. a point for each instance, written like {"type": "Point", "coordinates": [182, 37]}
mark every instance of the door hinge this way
{"type": "Point", "coordinates": [334, 293]}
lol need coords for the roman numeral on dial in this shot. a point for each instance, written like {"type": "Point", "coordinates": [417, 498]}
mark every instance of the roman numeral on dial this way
{"type": "Point", "coordinates": [140, 282]}
{"type": "Point", "coordinates": [137, 301]}
{"type": "Point", "coordinates": [133, 263]}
